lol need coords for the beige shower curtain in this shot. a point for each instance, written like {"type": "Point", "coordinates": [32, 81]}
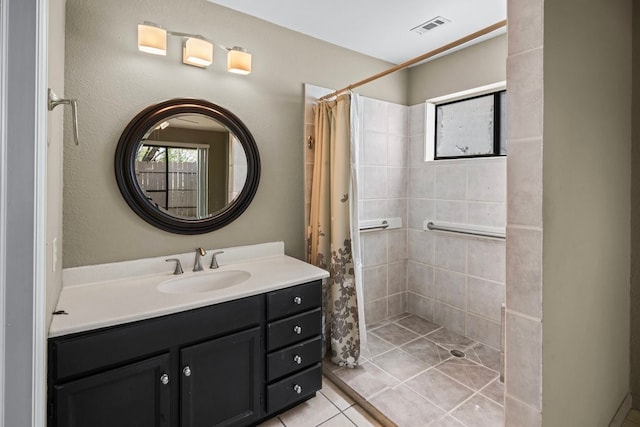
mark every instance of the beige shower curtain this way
{"type": "Point", "coordinates": [333, 237]}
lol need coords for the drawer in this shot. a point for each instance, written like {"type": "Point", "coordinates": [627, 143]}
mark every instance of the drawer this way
{"type": "Point", "coordinates": [294, 358]}
{"type": "Point", "coordinates": [293, 300]}
{"type": "Point", "coordinates": [294, 388]}
{"type": "Point", "coordinates": [293, 329]}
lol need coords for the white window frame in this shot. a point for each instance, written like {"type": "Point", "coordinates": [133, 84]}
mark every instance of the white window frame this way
{"type": "Point", "coordinates": [430, 112]}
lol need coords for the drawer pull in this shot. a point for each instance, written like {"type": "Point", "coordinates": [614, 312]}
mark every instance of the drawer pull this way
{"type": "Point", "coordinates": [164, 379]}
{"type": "Point", "coordinates": [186, 371]}
{"type": "Point", "coordinates": [297, 359]}
{"type": "Point", "coordinates": [297, 389]}
{"type": "Point", "coordinates": [297, 300]}
{"type": "Point", "coordinates": [297, 329]}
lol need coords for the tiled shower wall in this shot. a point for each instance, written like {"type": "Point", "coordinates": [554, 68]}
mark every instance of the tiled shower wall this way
{"type": "Point", "coordinates": [383, 195]}
{"type": "Point", "coordinates": [456, 281]}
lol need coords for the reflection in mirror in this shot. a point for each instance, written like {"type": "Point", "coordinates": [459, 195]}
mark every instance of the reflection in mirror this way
{"type": "Point", "coordinates": [187, 166]}
{"type": "Point", "coordinates": [190, 166]}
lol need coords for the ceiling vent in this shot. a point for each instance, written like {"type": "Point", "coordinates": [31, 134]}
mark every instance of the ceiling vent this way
{"type": "Point", "coordinates": [431, 24]}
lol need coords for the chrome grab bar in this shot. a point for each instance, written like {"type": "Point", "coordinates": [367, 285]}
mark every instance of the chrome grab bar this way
{"type": "Point", "coordinates": [382, 226]}
{"type": "Point", "coordinates": [461, 230]}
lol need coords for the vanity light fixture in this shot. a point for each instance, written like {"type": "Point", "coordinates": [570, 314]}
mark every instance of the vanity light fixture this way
{"type": "Point", "coordinates": [196, 50]}
{"type": "Point", "coordinates": [238, 61]}
{"type": "Point", "coordinates": [163, 125]}
{"type": "Point", "coordinates": [152, 39]}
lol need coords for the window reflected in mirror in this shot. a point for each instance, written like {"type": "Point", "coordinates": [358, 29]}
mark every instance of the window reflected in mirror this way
{"type": "Point", "coordinates": [190, 166]}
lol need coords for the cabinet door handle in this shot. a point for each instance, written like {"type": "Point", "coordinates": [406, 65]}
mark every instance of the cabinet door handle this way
{"type": "Point", "coordinates": [297, 389]}
{"type": "Point", "coordinates": [297, 300]}
{"type": "Point", "coordinates": [186, 371]}
{"type": "Point", "coordinates": [297, 330]}
{"type": "Point", "coordinates": [164, 379]}
{"type": "Point", "coordinates": [297, 359]}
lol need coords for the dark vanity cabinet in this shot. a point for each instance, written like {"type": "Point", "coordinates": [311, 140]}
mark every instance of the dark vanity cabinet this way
{"type": "Point", "coordinates": [294, 348]}
{"type": "Point", "coordinates": [231, 364]}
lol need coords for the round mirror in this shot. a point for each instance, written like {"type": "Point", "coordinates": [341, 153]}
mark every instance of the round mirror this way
{"type": "Point", "coordinates": [187, 166]}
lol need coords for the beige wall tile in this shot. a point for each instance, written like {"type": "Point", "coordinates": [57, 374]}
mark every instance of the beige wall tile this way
{"type": "Point", "coordinates": [525, 30]}
{"type": "Point", "coordinates": [397, 304]}
{"type": "Point", "coordinates": [488, 214]}
{"type": "Point", "coordinates": [397, 150]}
{"type": "Point", "coordinates": [373, 182]}
{"type": "Point", "coordinates": [524, 72]}
{"type": "Point", "coordinates": [397, 244]}
{"type": "Point", "coordinates": [397, 278]}
{"type": "Point", "coordinates": [483, 330]}
{"type": "Point", "coordinates": [375, 311]}
{"type": "Point", "coordinates": [421, 246]}
{"type": "Point", "coordinates": [485, 298]}
{"type": "Point", "coordinates": [524, 271]}
{"type": "Point", "coordinates": [374, 150]}
{"type": "Point", "coordinates": [419, 211]}
{"type": "Point", "coordinates": [420, 279]}
{"type": "Point", "coordinates": [374, 282]}
{"type": "Point", "coordinates": [450, 211]}
{"type": "Point", "coordinates": [420, 306]}
{"type": "Point", "coordinates": [451, 181]}
{"type": "Point", "coordinates": [523, 359]}
{"type": "Point", "coordinates": [450, 252]}
{"type": "Point", "coordinates": [486, 259]}
{"type": "Point", "coordinates": [374, 248]}
{"type": "Point", "coordinates": [376, 115]}
{"type": "Point", "coordinates": [449, 317]}
{"type": "Point", "coordinates": [421, 182]}
{"type": "Point", "coordinates": [520, 414]}
{"type": "Point", "coordinates": [451, 287]}
{"type": "Point", "coordinates": [486, 181]}
{"type": "Point", "coordinates": [524, 182]}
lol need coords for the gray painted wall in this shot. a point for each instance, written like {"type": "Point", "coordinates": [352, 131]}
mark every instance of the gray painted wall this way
{"type": "Point", "coordinates": [55, 154]}
{"type": "Point", "coordinates": [453, 73]}
{"type": "Point", "coordinates": [113, 81]}
{"type": "Point", "coordinates": [586, 211]}
{"type": "Point", "coordinates": [20, 260]}
{"type": "Point", "coordinates": [635, 214]}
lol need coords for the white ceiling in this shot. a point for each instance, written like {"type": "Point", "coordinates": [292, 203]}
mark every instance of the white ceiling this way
{"type": "Point", "coordinates": [378, 28]}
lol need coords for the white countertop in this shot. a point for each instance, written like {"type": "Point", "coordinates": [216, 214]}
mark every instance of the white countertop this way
{"type": "Point", "coordinates": [113, 298]}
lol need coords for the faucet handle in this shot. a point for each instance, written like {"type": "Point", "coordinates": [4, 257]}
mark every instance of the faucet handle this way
{"type": "Point", "coordinates": [214, 261]}
{"type": "Point", "coordinates": [178, 269]}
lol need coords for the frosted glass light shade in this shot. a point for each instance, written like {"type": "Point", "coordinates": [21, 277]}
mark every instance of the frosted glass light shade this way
{"type": "Point", "coordinates": [152, 39]}
{"type": "Point", "coordinates": [197, 52]}
{"type": "Point", "coordinates": [238, 61]}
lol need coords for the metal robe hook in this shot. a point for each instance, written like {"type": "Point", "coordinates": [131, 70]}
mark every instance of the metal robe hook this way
{"type": "Point", "coordinates": [55, 100]}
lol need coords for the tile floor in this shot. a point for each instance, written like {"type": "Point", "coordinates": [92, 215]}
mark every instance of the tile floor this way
{"type": "Point", "coordinates": [408, 378]}
{"type": "Point", "coordinates": [411, 378]}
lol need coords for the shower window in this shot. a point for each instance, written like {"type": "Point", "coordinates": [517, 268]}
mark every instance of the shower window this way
{"type": "Point", "coordinates": [471, 127]}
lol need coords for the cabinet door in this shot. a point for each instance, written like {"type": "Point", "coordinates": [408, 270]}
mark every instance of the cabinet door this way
{"type": "Point", "coordinates": [221, 380]}
{"type": "Point", "coordinates": [132, 396]}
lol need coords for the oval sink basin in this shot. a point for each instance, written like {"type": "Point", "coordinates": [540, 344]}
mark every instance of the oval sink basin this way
{"type": "Point", "coordinates": [203, 282]}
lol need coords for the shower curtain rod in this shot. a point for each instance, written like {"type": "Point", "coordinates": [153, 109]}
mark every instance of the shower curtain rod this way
{"type": "Point", "coordinates": [420, 58]}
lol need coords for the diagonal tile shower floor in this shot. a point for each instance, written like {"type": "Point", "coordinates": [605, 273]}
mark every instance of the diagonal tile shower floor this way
{"type": "Point", "coordinates": [408, 377]}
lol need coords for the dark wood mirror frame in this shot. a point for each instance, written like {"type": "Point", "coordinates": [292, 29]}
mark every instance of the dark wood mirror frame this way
{"type": "Point", "coordinates": [125, 166]}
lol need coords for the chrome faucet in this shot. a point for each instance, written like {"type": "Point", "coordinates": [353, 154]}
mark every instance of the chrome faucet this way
{"type": "Point", "coordinates": [214, 261]}
{"type": "Point", "coordinates": [197, 265]}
